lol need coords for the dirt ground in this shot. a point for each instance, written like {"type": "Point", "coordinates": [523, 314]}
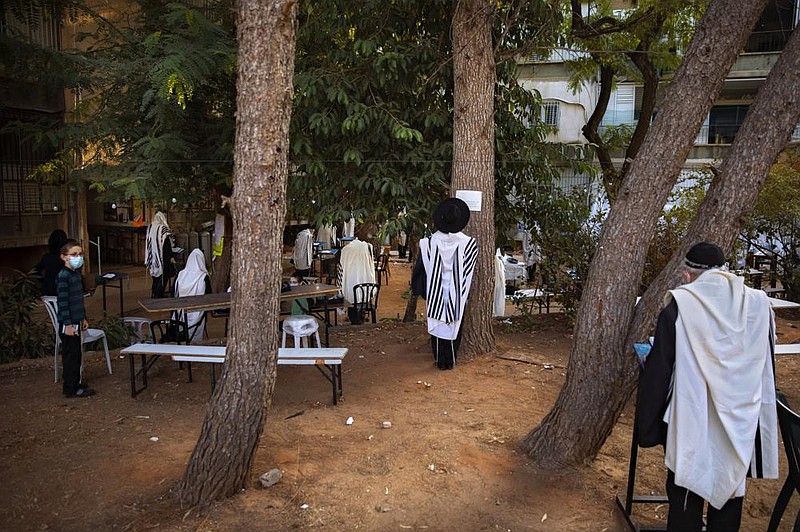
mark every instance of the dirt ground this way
{"type": "Point", "coordinates": [450, 460]}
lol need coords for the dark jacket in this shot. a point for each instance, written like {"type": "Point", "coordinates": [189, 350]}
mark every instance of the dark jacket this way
{"type": "Point", "coordinates": [48, 268]}
{"type": "Point", "coordinates": [655, 381]}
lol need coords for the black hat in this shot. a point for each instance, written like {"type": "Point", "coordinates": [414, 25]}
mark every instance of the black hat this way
{"type": "Point", "coordinates": [704, 256]}
{"type": "Point", "coordinates": [451, 215]}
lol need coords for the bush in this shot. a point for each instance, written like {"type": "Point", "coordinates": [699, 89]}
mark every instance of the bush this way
{"type": "Point", "coordinates": [117, 333]}
{"type": "Point", "coordinates": [20, 335]}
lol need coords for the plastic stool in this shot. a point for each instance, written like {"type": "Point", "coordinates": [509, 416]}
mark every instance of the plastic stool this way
{"type": "Point", "coordinates": [301, 326]}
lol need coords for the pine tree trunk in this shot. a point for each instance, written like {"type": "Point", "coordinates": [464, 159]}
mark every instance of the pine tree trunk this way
{"type": "Point", "coordinates": [473, 157]}
{"type": "Point", "coordinates": [221, 460]}
{"type": "Point", "coordinates": [733, 194]}
{"type": "Point", "coordinates": [601, 361]}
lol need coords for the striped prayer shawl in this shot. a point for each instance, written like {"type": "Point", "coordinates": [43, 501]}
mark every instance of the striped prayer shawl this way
{"type": "Point", "coordinates": [449, 260]}
{"type": "Point", "coordinates": [157, 233]}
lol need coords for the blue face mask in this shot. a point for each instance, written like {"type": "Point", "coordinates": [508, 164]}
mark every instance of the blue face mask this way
{"type": "Point", "coordinates": [75, 262]}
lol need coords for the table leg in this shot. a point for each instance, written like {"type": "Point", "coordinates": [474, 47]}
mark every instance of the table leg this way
{"type": "Point", "coordinates": [133, 374]}
{"type": "Point", "coordinates": [327, 323]}
{"type": "Point", "coordinates": [104, 300]}
{"type": "Point", "coordinates": [121, 307]}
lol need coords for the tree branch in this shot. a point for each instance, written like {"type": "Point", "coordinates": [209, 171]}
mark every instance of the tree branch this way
{"type": "Point", "coordinates": [590, 130]}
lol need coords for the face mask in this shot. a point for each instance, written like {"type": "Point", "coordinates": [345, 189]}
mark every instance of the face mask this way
{"type": "Point", "coordinates": [75, 262]}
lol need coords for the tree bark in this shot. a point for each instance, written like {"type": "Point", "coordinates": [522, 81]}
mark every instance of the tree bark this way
{"type": "Point", "coordinates": [473, 157]}
{"type": "Point", "coordinates": [220, 463]}
{"type": "Point", "coordinates": [733, 194]}
{"type": "Point", "coordinates": [600, 360]}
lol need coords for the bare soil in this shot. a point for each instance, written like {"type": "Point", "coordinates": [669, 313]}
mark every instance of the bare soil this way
{"type": "Point", "coordinates": [450, 460]}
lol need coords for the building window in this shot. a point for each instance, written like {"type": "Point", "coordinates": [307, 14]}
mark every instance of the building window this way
{"type": "Point", "coordinates": [550, 113]}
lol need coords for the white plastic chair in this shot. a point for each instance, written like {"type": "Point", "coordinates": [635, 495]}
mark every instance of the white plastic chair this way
{"type": "Point", "coordinates": [141, 327]}
{"type": "Point", "coordinates": [301, 327]}
{"type": "Point", "coordinates": [87, 336]}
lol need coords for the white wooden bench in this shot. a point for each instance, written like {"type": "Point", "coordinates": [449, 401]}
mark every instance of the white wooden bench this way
{"type": "Point", "coordinates": [787, 349]}
{"type": "Point", "coordinates": [328, 360]}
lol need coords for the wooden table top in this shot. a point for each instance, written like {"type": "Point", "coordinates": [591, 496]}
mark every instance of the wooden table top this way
{"type": "Point", "coordinates": [222, 300]}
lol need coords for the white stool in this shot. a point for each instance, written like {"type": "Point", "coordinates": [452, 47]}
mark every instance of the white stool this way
{"type": "Point", "coordinates": [301, 326]}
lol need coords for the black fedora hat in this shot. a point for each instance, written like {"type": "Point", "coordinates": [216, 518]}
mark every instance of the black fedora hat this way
{"type": "Point", "coordinates": [451, 215]}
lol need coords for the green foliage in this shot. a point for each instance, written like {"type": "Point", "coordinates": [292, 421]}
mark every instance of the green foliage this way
{"type": "Point", "coordinates": [774, 226]}
{"type": "Point", "coordinates": [567, 234]}
{"type": "Point", "coordinates": [118, 334]}
{"type": "Point", "coordinates": [371, 131]}
{"type": "Point", "coordinates": [155, 115]}
{"type": "Point", "coordinates": [372, 116]}
{"type": "Point", "coordinates": [21, 335]}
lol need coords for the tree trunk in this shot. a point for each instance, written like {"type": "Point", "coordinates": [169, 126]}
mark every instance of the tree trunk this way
{"type": "Point", "coordinates": [600, 360]}
{"type": "Point", "coordinates": [734, 192]}
{"type": "Point", "coordinates": [473, 157]}
{"type": "Point", "coordinates": [220, 463]}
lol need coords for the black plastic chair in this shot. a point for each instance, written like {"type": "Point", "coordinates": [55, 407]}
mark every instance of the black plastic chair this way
{"type": "Point", "coordinates": [789, 422]}
{"type": "Point", "coordinates": [382, 268]}
{"type": "Point", "coordinates": [365, 297]}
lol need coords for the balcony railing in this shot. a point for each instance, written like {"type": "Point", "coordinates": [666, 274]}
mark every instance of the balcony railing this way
{"type": "Point", "coordinates": [767, 41]}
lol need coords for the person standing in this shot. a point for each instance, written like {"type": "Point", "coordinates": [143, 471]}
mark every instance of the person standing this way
{"type": "Point", "coordinates": [448, 260]}
{"type": "Point", "coordinates": [51, 264]}
{"type": "Point", "coordinates": [707, 393]}
{"type": "Point", "coordinates": [158, 254]}
{"type": "Point", "coordinates": [356, 266]}
{"type": "Point", "coordinates": [71, 319]}
{"type": "Point", "coordinates": [193, 280]}
{"type": "Point", "coordinates": [303, 252]}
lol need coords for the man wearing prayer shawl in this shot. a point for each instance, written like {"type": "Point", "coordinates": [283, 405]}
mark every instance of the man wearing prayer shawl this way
{"type": "Point", "coordinates": [356, 266]}
{"type": "Point", "coordinates": [303, 252]}
{"type": "Point", "coordinates": [158, 254]}
{"type": "Point", "coordinates": [448, 260]}
{"type": "Point", "coordinates": [707, 393]}
{"type": "Point", "coordinates": [193, 280]}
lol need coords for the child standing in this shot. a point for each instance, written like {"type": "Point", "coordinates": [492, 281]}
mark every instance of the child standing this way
{"type": "Point", "coordinates": [71, 318]}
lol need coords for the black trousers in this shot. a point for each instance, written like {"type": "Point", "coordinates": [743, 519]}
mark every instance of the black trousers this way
{"type": "Point", "coordinates": [686, 511]}
{"type": "Point", "coordinates": [71, 359]}
{"type": "Point", "coordinates": [445, 351]}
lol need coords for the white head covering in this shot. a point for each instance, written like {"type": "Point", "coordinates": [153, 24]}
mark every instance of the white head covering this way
{"type": "Point", "coordinates": [191, 281]}
{"type": "Point", "coordinates": [157, 233]}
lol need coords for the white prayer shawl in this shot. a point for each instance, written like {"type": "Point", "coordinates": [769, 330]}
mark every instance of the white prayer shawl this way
{"type": "Point", "coordinates": [357, 266]}
{"type": "Point", "coordinates": [449, 260]}
{"type": "Point", "coordinates": [191, 281]}
{"type": "Point", "coordinates": [157, 233]}
{"type": "Point", "coordinates": [303, 249]}
{"type": "Point", "coordinates": [327, 235]}
{"type": "Point", "coordinates": [349, 229]}
{"type": "Point", "coordinates": [499, 306]}
{"type": "Point", "coordinates": [723, 397]}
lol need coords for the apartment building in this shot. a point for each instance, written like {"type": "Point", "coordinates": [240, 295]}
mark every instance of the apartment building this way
{"type": "Point", "coordinates": [568, 110]}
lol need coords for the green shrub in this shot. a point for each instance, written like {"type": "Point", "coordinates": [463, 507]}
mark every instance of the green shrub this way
{"type": "Point", "coordinates": [20, 335]}
{"type": "Point", "coordinates": [117, 333]}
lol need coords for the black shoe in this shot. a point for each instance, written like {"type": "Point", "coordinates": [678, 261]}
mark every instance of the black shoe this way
{"type": "Point", "coordinates": [83, 385]}
{"type": "Point", "coordinates": [81, 392]}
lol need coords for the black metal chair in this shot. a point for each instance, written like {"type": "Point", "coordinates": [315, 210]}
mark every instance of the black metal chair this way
{"type": "Point", "coordinates": [789, 422]}
{"type": "Point", "coordinates": [365, 297]}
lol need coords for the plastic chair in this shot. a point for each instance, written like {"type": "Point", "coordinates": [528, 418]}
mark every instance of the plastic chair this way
{"type": "Point", "coordinates": [382, 267]}
{"type": "Point", "coordinates": [139, 325]}
{"type": "Point", "coordinates": [789, 423]}
{"type": "Point", "coordinates": [301, 327]}
{"type": "Point", "coordinates": [87, 336]}
{"type": "Point", "coordinates": [365, 297]}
